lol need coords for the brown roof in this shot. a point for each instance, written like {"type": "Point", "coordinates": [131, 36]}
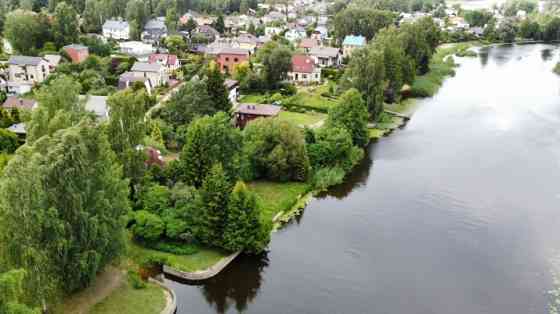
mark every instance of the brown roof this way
{"type": "Point", "coordinates": [233, 51]}
{"type": "Point", "coordinates": [258, 110]}
{"type": "Point", "coordinates": [302, 64]}
{"type": "Point", "coordinates": [308, 43]}
{"type": "Point", "coordinates": [19, 103]}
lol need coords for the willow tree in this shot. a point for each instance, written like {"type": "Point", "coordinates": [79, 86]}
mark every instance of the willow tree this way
{"type": "Point", "coordinates": [12, 293]}
{"type": "Point", "coordinates": [61, 205]}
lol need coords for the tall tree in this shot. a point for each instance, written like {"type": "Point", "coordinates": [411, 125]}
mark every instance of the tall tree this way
{"type": "Point", "coordinates": [244, 229]}
{"type": "Point", "coordinates": [351, 114]}
{"type": "Point", "coordinates": [12, 293]}
{"type": "Point", "coordinates": [22, 22]}
{"type": "Point", "coordinates": [216, 89]}
{"type": "Point", "coordinates": [171, 19]}
{"type": "Point", "coordinates": [190, 101]}
{"type": "Point", "coordinates": [210, 140]}
{"type": "Point", "coordinates": [219, 25]}
{"type": "Point", "coordinates": [126, 131]}
{"type": "Point", "coordinates": [277, 62]}
{"type": "Point", "coordinates": [68, 224]}
{"type": "Point", "coordinates": [60, 108]}
{"type": "Point", "coordinates": [363, 21]}
{"type": "Point", "coordinates": [93, 16]}
{"type": "Point", "coordinates": [137, 16]}
{"type": "Point", "coordinates": [210, 220]}
{"type": "Point", "coordinates": [65, 25]}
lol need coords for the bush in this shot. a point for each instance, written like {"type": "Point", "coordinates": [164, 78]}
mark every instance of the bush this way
{"type": "Point", "coordinates": [153, 261]}
{"type": "Point", "coordinates": [148, 226]}
{"type": "Point", "coordinates": [326, 177]}
{"type": "Point", "coordinates": [8, 141]}
{"type": "Point", "coordinates": [135, 281]}
{"type": "Point", "coordinates": [175, 248]}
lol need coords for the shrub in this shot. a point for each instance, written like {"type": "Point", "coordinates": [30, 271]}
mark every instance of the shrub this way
{"type": "Point", "coordinates": [8, 141]}
{"type": "Point", "coordinates": [135, 281]}
{"type": "Point", "coordinates": [148, 226]}
{"type": "Point", "coordinates": [175, 248]}
{"type": "Point", "coordinates": [153, 261]}
{"type": "Point", "coordinates": [326, 177]}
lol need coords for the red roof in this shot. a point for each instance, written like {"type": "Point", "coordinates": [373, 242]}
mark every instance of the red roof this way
{"type": "Point", "coordinates": [308, 43]}
{"type": "Point", "coordinates": [302, 64]}
{"type": "Point", "coordinates": [163, 58]}
{"type": "Point", "coordinates": [19, 103]}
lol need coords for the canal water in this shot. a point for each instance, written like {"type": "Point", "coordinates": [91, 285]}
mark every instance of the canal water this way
{"type": "Point", "coordinates": [458, 212]}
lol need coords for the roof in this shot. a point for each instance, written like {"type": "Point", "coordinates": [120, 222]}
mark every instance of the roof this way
{"type": "Point", "coordinates": [18, 128]}
{"type": "Point", "coordinates": [233, 51]}
{"type": "Point", "coordinates": [97, 105]}
{"type": "Point", "coordinates": [156, 24]}
{"type": "Point", "coordinates": [247, 39]}
{"type": "Point", "coordinates": [115, 24]}
{"type": "Point", "coordinates": [167, 59]}
{"type": "Point", "coordinates": [229, 83]}
{"type": "Point", "coordinates": [352, 40]}
{"type": "Point", "coordinates": [302, 64]}
{"type": "Point", "coordinates": [131, 77]}
{"type": "Point", "coordinates": [207, 29]}
{"type": "Point", "coordinates": [24, 60]}
{"type": "Point", "coordinates": [308, 43]}
{"type": "Point", "coordinates": [258, 110]}
{"type": "Point", "coordinates": [146, 67]}
{"type": "Point", "coordinates": [324, 52]}
{"type": "Point", "coordinates": [19, 103]}
{"type": "Point", "coordinates": [75, 47]}
{"type": "Point", "coordinates": [54, 60]}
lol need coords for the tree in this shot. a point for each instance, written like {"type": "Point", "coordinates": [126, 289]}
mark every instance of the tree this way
{"type": "Point", "coordinates": [171, 19]}
{"type": "Point", "coordinates": [60, 108]}
{"type": "Point", "coordinates": [126, 130]}
{"type": "Point", "coordinates": [219, 25]}
{"type": "Point", "coordinates": [190, 26]}
{"type": "Point", "coordinates": [22, 22]}
{"type": "Point", "coordinates": [366, 73]}
{"type": "Point", "coordinates": [251, 29]}
{"type": "Point", "coordinates": [12, 293]}
{"type": "Point", "coordinates": [68, 224]}
{"type": "Point", "coordinates": [277, 62]}
{"type": "Point", "coordinates": [552, 30]}
{"type": "Point", "coordinates": [244, 229]}
{"type": "Point", "coordinates": [175, 43]}
{"type": "Point", "coordinates": [190, 101]}
{"type": "Point", "coordinates": [137, 16]}
{"type": "Point", "coordinates": [210, 218]}
{"type": "Point", "coordinates": [216, 89]}
{"type": "Point", "coordinates": [356, 20]}
{"type": "Point", "coordinates": [275, 150]}
{"type": "Point", "coordinates": [93, 16]}
{"type": "Point", "coordinates": [507, 31]}
{"type": "Point", "coordinates": [147, 225]}
{"type": "Point", "coordinates": [210, 140]}
{"type": "Point", "coordinates": [478, 18]}
{"type": "Point", "coordinates": [8, 141]}
{"type": "Point", "coordinates": [332, 148]}
{"type": "Point", "coordinates": [351, 113]}
{"type": "Point", "coordinates": [530, 29]}
{"type": "Point", "coordinates": [65, 26]}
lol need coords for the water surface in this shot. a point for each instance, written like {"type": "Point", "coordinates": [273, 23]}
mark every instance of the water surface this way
{"type": "Point", "coordinates": [456, 213]}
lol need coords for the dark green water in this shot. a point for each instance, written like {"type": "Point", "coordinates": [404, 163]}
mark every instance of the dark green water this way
{"type": "Point", "coordinates": [456, 213]}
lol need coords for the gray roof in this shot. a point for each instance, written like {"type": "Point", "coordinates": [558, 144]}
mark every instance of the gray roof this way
{"type": "Point", "coordinates": [156, 24]}
{"type": "Point", "coordinates": [24, 60]}
{"type": "Point", "coordinates": [54, 60]}
{"type": "Point", "coordinates": [233, 51]}
{"type": "Point", "coordinates": [115, 24]}
{"type": "Point", "coordinates": [18, 128]}
{"type": "Point", "coordinates": [146, 67]}
{"type": "Point", "coordinates": [324, 52]}
{"type": "Point", "coordinates": [97, 105]}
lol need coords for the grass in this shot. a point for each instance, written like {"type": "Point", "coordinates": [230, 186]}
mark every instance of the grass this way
{"type": "Point", "coordinates": [302, 119]}
{"type": "Point", "coordinates": [202, 259]}
{"type": "Point", "coordinates": [253, 98]}
{"type": "Point", "coordinates": [276, 197]}
{"type": "Point", "coordinates": [127, 300]}
{"type": "Point", "coordinates": [376, 133]}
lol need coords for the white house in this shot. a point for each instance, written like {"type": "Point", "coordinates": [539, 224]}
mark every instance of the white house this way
{"type": "Point", "coordinates": [153, 71]}
{"type": "Point", "coordinates": [137, 49]}
{"type": "Point", "coordinates": [325, 56]}
{"type": "Point", "coordinates": [116, 29]}
{"type": "Point", "coordinates": [295, 34]}
{"type": "Point", "coordinates": [304, 70]}
{"type": "Point", "coordinates": [31, 70]}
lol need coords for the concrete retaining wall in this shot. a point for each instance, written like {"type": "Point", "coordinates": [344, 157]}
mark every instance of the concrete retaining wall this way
{"type": "Point", "coordinates": [171, 306]}
{"type": "Point", "coordinates": [204, 274]}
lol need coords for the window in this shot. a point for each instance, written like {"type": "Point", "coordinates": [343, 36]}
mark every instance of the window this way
{"type": "Point", "coordinates": [235, 60]}
{"type": "Point", "coordinates": [227, 59]}
{"type": "Point", "coordinates": [304, 76]}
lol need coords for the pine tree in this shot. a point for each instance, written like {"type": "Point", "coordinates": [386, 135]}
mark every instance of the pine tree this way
{"type": "Point", "coordinates": [156, 134]}
{"type": "Point", "coordinates": [210, 220]}
{"type": "Point", "coordinates": [220, 25]}
{"type": "Point", "coordinates": [244, 229]}
{"type": "Point", "coordinates": [216, 88]}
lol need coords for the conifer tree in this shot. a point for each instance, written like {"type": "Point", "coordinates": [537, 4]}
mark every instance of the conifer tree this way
{"type": "Point", "coordinates": [216, 88]}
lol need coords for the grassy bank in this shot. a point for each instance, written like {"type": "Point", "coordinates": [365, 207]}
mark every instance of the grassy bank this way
{"type": "Point", "coordinates": [276, 197]}
{"type": "Point", "coordinates": [302, 119]}
{"type": "Point", "coordinates": [127, 300]}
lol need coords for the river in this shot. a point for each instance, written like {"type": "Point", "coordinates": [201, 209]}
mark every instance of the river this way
{"type": "Point", "coordinates": [455, 213]}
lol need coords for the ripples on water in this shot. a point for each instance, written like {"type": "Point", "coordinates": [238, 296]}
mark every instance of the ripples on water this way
{"type": "Point", "coordinates": [456, 213]}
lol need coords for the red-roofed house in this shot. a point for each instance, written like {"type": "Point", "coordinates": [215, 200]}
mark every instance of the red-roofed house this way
{"type": "Point", "coordinates": [228, 58]}
{"type": "Point", "coordinates": [307, 43]}
{"type": "Point", "coordinates": [78, 53]}
{"type": "Point", "coordinates": [246, 113]}
{"type": "Point", "coordinates": [170, 62]}
{"type": "Point", "coordinates": [304, 70]}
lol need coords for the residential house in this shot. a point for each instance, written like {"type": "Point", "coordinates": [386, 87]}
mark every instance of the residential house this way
{"type": "Point", "coordinates": [351, 43]}
{"type": "Point", "coordinates": [116, 29]}
{"type": "Point", "coordinates": [127, 79]}
{"type": "Point", "coordinates": [14, 102]}
{"type": "Point", "coordinates": [262, 40]}
{"type": "Point", "coordinates": [307, 43]}
{"type": "Point", "coordinates": [273, 30]}
{"type": "Point", "coordinates": [170, 62]}
{"type": "Point", "coordinates": [295, 34]}
{"type": "Point", "coordinates": [78, 53]}
{"type": "Point", "coordinates": [246, 113]}
{"type": "Point", "coordinates": [53, 60]}
{"type": "Point", "coordinates": [200, 19]}
{"type": "Point", "coordinates": [325, 56]}
{"type": "Point", "coordinates": [208, 32]}
{"type": "Point", "coordinates": [228, 58]}
{"type": "Point", "coordinates": [153, 71]}
{"type": "Point", "coordinates": [320, 33]}
{"type": "Point", "coordinates": [216, 47]}
{"type": "Point", "coordinates": [155, 31]}
{"type": "Point", "coordinates": [274, 16]}
{"type": "Point", "coordinates": [18, 88]}
{"type": "Point", "coordinates": [137, 49]}
{"type": "Point", "coordinates": [31, 70]}
{"type": "Point", "coordinates": [304, 70]}
{"type": "Point", "coordinates": [232, 87]}
{"type": "Point", "coordinates": [97, 105]}
{"type": "Point", "coordinates": [247, 41]}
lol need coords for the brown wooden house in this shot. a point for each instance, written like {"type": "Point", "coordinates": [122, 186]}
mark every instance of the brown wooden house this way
{"type": "Point", "coordinates": [248, 112]}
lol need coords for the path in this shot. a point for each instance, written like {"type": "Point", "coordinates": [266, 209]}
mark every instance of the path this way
{"type": "Point", "coordinates": [164, 99]}
{"type": "Point", "coordinates": [107, 281]}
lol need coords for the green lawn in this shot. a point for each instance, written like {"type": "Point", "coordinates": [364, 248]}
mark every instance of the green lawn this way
{"type": "Point", "coordinates": [127, 300]}
{"type": "Point", "coordinates": [203, 259]}
{"type": "Point", "coordinates": [314, 100]}
{"type": "Point", "coordinates": [253, 99]}
{"type": "Point", "coordinates": [302, 119]}
{"type": "Point", "coordinates": [277, 196]}
{"type": "Point", "coordinates": [376, 133]}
